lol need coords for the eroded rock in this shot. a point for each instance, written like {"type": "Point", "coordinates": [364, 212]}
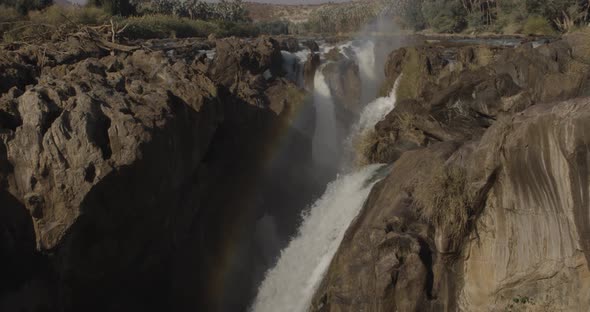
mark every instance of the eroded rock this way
{"type": "Point", "coordinates": [485, 206]}
{"type": "Point", "coordinates": [120, 162]}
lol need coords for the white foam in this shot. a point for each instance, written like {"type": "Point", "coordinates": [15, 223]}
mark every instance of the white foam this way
{"type": "Point", "coordinates": [290, 285]}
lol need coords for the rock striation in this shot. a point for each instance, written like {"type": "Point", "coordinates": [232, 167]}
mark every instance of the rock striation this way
{"type": "Point", "coordinates": [485, 208]}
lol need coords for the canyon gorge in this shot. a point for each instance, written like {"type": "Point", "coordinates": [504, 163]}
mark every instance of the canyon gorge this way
{"type": "Point", "coordinates": [381, 173]}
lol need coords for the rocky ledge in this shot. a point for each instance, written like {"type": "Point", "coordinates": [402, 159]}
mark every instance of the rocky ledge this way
{"type": "Point", "coordinates": [118, 164]}
{"type": "Point", "coordinates": [486, 206]}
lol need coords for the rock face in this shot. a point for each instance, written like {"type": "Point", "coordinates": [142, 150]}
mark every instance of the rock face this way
{"type": "Point", "coordinates": [343, 80]}
{"type": "Point", "coordinates": [532, 236]}
{"type": "Point", "coordinates": [291, 44]}
{"type": "Point", "coordinates": [309, 69]}
{"type": "Point", "coordinates": [113, 167]}
{"type": "Point", "coordinates": [485, 208]}
{"type": "Point", "coordinates": [457, 93]}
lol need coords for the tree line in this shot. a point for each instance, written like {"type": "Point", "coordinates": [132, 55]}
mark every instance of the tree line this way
{"type": "Point", "coordinates": [223, 10]}
{"type": "Point", "coordinates": [452, 16]}
{"type": "Point", "coordinates": [492, 15]}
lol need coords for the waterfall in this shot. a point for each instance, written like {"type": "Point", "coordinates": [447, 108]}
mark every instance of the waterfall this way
{"type": "Point", "coordinates": [292, 282]}
{"type": "Point", "coordinates": [371, 114]}
{"type": "Point", "coordinates": [376, 110]}
{"type": "Point", "coordinates": [293, 65]}
{"type": "Point", "coordinates": [365, 54]}
{"type": "Point", "coordinates": [325, 143]}
{"type": "Point", "coordinates": [290, 285]}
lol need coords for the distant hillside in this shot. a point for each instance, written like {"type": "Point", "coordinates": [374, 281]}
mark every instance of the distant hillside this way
{"type": "Point", "coordinates": [261, 12]}
{"type": "Point", "coordinates": [66, 2]}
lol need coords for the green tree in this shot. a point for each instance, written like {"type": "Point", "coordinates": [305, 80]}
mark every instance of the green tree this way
{"type": "Point", "coordinates": [24, 6]}
{"type": "Point", "coordinates": [444, 15]}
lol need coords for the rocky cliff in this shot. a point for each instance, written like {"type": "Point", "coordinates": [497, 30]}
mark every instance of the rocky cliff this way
{"type": "Point", "coordinates": [119, 164]}
{"type": "Point", "coordinates": [486, 206]}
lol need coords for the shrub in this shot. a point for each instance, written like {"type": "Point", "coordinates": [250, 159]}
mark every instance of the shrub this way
{"type": "Point", "coordinates": [227, 29]}
{"type": "Point", "coordinates": [443, 16]}
{"type": "Point", "coordinates": [364, 146]}
{"type": "Point", "coordinates": [24, 6]}
{"type": "Point", "coordinates": [45, 23]}
{"type": "Point", "coordinates": [446, 200]}
{"type": "Point", "coordinates": [9, 15]}
{"type": "Point", "coordinates": [58, 15]}
{"type": "Point", "coordinates": [274, 27]}
{"type": "Point", "coordinates": [223, 10]}
{"type": "Point", "coordinates": [537, 25]}
{"type": "Point", "coordinates": [8, 19]}
{"type": "Point", "coordinates": [114, 7]}
{"type": "Point", "coordinates": [410, 13]}
{"type": "Point", "coordinates": [446, 24]}
{"type": "Point", "coordinates": [510, 23]}
{"type": "Point", "coordinates": [347, 17]}
{"type": "Point", "coordinates": [164, 26]}
{"type": "Point", "coordinates": [475, 21]}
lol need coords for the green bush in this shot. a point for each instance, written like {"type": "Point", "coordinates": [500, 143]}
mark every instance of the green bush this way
{"type": "Point", "coordinates": [444, 16]}
{"type": "Point", "coordinates": [537, 25]}
{"type": "Point", "coordinates": [227, 29]}
{"type": "Point", "coordinates": [274, 27]}
{"type": "Point", "coordinates": [114, 7]}
{"type": "Point", "coordinates": [412, 17]}
{"type": "Point", "coordinates": [165, 26]}
{"type": "Point", "coordinates": [475, 21]}
{"type": "Point", "coordinates": [348, 17]}
{"type": "Point", "coordinates": [447, 24]}
{"type": "Point", "coordinates": [509, 23]}
{"type": "Point", "coordinates": [24, 6]}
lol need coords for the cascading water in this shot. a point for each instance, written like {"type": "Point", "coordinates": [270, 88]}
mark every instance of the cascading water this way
{"type": "Point", "coordinates": [376, 110]}
{"type": "Point", "coordinates": [325, 143]}
{"type": "Point", "coordinates": [293, 65]}
{"type": "Point", "coordinates": [291, 284]}
{"type": "Point", "coordinates": [365, 54]}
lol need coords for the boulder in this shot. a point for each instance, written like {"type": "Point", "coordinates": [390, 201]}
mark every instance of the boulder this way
{"type": "Point", "coordinates": [344, 81]}
{"type": "Point", "coordinates": [289, 44]}
{"type": "Point", "coordinates": [263, 55]}
{"type": "Point", "coordinates": [311, 45]}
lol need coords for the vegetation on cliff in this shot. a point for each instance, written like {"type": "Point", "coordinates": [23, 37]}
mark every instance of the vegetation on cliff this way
{"type": "Point", "coordinates": [453, 16]}
{"type": "Point", "coordinates": [130, 20]}
{"type": "Point", "coordinates": [154, 18]}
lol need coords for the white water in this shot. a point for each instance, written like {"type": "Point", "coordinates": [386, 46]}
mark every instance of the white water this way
{"type": "Point", "coordinates": [326, 141]}
{"type": "Point", "coordinates": [293, 65]}
{"type": "Point", "coordinates": [364, 55]}
{"type": "Point", "coordinates": [290, 285]}
{"type": "Point", "coordinates": [377, 110]}
{"type": "Point", "coordinates": [366, 60]}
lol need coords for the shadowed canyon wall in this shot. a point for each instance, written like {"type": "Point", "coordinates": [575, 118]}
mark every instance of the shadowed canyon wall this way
{"type": "Point", "coordinates": [141, 177]}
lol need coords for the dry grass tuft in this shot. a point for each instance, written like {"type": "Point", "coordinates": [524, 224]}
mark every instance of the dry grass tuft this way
{"type": "Point", "coordinates": [364, 146]}
{"type": "Point", "coordinates": [446, 199]}
{"type": "Point", "coordinates": [405, 121]}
